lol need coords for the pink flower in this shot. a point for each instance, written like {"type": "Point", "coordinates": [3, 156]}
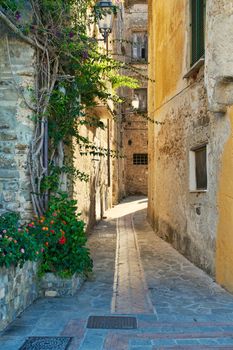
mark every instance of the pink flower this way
{"type": "Point", "coordinates": [10, 239]}
{"type": "Point", "coordinates": [19, 229]}
{"type": "Point", "coordinates": [4, 231]}
{"type": "Point", "coordinates": [22, 250]}
{"type": "Point", "coordinates": [42, 250]}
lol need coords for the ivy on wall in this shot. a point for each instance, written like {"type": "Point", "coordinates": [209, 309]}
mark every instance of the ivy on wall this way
{"type": "Point", "coordinates": [72, 74]}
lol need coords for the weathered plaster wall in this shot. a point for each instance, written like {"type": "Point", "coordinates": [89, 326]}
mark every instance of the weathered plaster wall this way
{"type": "Point", "coordinates": [135, 20]}
{"type": "Point", "coordinates": [219, 62]}
{"type": "Point", "coordinates": [219, 80]}
{"type": "Point", "coordinates": [151, 108]}
{"type": "Point", "coordinates": [94, 197]}
{"type": "Point", "coordinates": [135, 141]}
{"type": "Point", "coordinates": [16, 127]}
{"type": "Point", "coordinates": [224, 258]}
{"type": "Point", "coordinates": [135, 127]}
{"type": "Point", "coordinates": [186, 219]}
{"type": "Point", "coordinates": [118, 174]}
{"type": "Point", "coordinates": [170, 38]}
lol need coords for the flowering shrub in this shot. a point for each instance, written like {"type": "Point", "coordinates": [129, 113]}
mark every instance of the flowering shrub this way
{"type": "Point", "coordinates": [16, 245]}
{"type": "Point", "coordinates": [62, 235]}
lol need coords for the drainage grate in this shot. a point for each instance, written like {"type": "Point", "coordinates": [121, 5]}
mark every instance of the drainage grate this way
{"type": "Point", "coordinates": [112, 322]}
{"type": "Point", "coordinates": [46, 343]}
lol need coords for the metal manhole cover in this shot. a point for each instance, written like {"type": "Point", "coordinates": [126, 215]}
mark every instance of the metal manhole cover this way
{"type": "Point", "coordinates": [46, 343]}
{"type": "Point", "coordinates": [112, 322]}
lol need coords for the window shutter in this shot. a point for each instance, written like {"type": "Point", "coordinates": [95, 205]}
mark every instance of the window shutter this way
{"type": "Point", "coordinates": [135, 48]}
{"type": "Point", "coordinates": [139, 46]}
{"type": "Point", "coordinates": [198, 29]}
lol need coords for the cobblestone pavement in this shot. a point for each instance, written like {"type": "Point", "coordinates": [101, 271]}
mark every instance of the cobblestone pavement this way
{"type": "Point", "coordinates": [189, 310]}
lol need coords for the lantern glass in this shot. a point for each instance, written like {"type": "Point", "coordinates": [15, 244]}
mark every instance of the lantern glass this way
{"type": "Point", "coordinates": [105, 20]}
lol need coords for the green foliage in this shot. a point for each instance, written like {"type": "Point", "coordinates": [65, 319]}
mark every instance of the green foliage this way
{"type": "Point", "coordinates": [63, 237]}
{"type": "Point", "coordinates": [16, 245]}
{"type": "Point", "coordinates": [51, 182]}
{"type": "Point", "coordinates": [12, 5]}
{"type": "Point", "coordinates": [118, 80]}
{"type": "Point", "coordinates": [57, 240]}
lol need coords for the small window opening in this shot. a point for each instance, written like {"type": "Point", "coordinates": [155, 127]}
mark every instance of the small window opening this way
{"type": "Point", "coordinates": [140, 159]}
{"type": "Point", "coordinates": [139, 46]}
{"type": "Point", "coordinates": [198, 169]}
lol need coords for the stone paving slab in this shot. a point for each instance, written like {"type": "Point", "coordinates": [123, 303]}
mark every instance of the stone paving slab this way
{"type": "Point", "coordinates": [130, 293]}
{"type": "Point", "coordinates": [179, 290]}
{"type": "Point", "coordinates": [191, 311]}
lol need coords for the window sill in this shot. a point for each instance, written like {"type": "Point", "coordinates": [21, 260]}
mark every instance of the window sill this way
{"type": "Point", "coordinates": [139, 61]}
{"type": "Point", "coordinates": [195, 68]}
{"type": "Point", "coordinates": [198, 191]}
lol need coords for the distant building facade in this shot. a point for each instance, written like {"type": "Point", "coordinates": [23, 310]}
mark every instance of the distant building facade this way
{"type": "Point", "coordinates": [190, 151]}
{"type": "Point", "coordinates": [134, 110]}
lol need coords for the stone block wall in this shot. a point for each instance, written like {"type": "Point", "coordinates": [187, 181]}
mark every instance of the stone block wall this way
{"type": "Point", "coordinates": [18, 286]}
{"type": "Point", "coordinates": [18, 289]}
{"type": "Point", "coordinates": [16, 125]}
{"type": "Point", "coordinates": [54, 286]}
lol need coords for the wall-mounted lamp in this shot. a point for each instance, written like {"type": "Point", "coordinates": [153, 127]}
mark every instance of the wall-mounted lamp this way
{"type": "Point", "coordinates": [105, 13]}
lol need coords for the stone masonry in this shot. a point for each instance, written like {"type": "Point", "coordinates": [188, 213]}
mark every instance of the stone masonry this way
{"type": "Point", "coordinates": [16, 125]}
{"type": "Point", "coordinates": [18, 289]}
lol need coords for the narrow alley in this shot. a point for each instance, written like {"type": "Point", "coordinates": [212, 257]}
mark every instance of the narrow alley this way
{"type": "Point", "coordinates": [176, 305]}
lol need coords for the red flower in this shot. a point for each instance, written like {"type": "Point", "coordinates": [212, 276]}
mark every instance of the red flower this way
{"type": "Point", "coordinates": [62, 240]}
{"type": "Point", "coordinates": [47, 244]}
{"type": "Point", "coordinates": [52, 231]}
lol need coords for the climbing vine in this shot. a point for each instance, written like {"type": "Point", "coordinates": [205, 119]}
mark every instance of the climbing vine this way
{"type": "Point", "coordinates": [72, 75]}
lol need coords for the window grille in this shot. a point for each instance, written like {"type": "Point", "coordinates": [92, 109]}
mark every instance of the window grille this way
{"type": "Point", "coordinates": [198, 9]}
{"type": "Point", "coordinates": [140, 159]}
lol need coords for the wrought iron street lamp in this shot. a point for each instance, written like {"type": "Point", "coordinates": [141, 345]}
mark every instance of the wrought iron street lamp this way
{"type": "Point", "coordinates": [104, 11]}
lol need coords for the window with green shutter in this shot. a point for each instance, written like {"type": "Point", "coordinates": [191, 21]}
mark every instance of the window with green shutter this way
{"type": "Point", "coordinates": [198, 9]}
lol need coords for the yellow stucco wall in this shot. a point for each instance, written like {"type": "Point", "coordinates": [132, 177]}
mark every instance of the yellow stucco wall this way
{"type": "Point", "coordinates": [224, 254]}
{"type": "Point", "coordinates": [167, 42]}
{"type": "Point", "coordinates": [169, 46]}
